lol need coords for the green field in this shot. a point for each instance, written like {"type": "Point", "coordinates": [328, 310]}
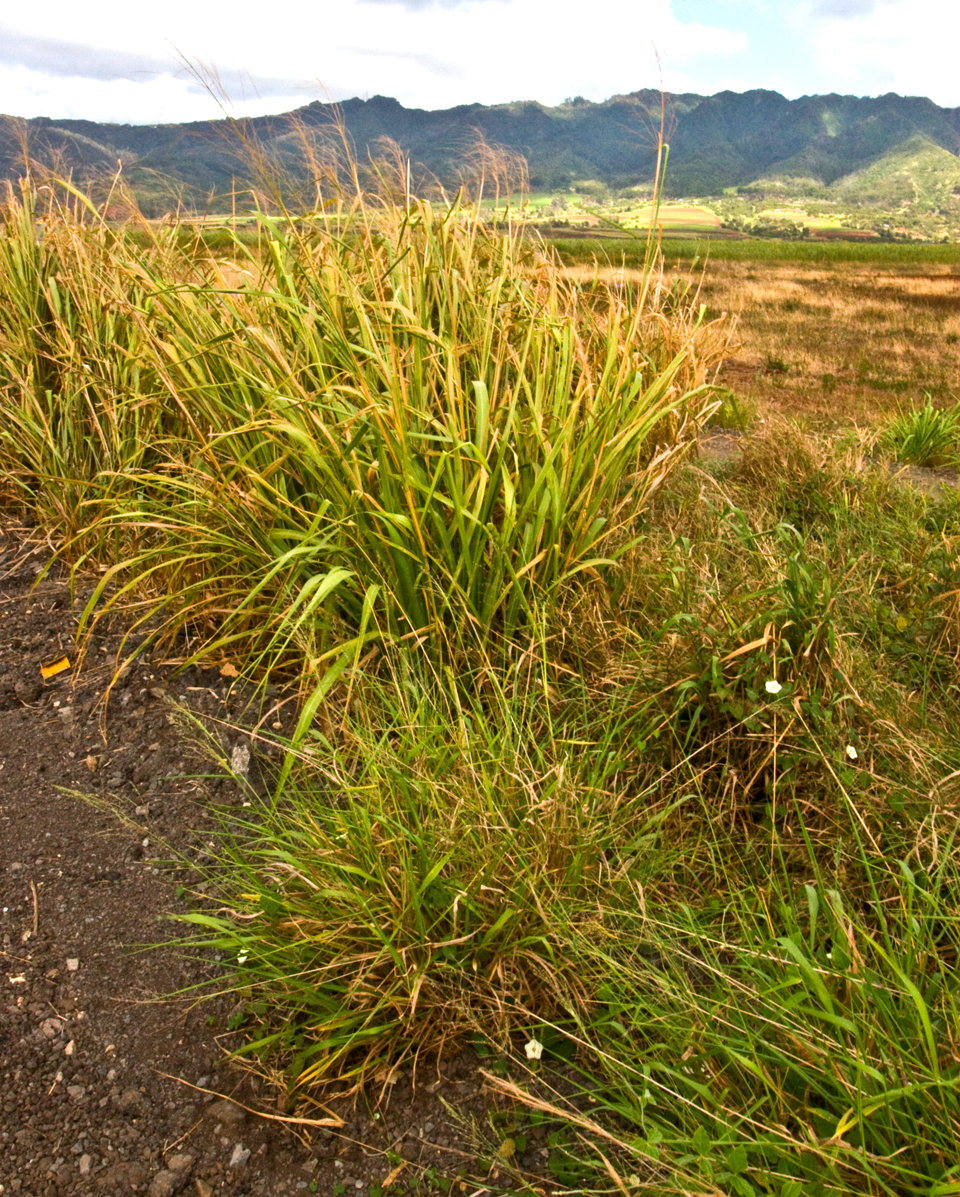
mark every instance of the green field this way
{"type": "Point", "coordinates": [609, 754]}
{"type": "Point", "coordinates": [620, 249]}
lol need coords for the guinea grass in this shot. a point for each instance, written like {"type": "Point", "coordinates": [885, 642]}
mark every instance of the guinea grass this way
{"type": "Point", "coordinates": [731, 902]}
{"type": "Point", "coordinates": [418, 878]}
{"type": "Point", "coordinates": [654, 765]}
{"type": "Point", "coordinates": [384, 405]}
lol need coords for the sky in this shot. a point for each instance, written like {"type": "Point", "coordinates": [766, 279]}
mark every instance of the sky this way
{"type": "Point", "coordinates": [181, 60]}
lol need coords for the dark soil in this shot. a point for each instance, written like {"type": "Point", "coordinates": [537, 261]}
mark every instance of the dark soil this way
{"type": "Point", "coordinates": [110, 1085]}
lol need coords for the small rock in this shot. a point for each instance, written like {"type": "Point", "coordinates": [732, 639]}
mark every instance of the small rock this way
{"type": "Point", "coordinates": [84, 1164]}
{"type": "Point", "coordinates": [72, 965]}
{"type": "Point", "coordinates": [240, 1156]}
{"type": "Point", "coordinates": [203, 1189]}
{"type": "Point", "coordinates": [131, 1101]}
{"type": "Point", "coordinates": [76, 1092]}
{"type": "Point", "coordinates": [240, 759]}
{"type": "Point", "coordinates": [180, 1163]}
{"type": "Point", "coordinates": [166, 1184]}
{"type": "Point", "coordinates": [50, 1028]}
{"type": "Point", "coordinates": [228, 1113]}
{"type": "Point", "coordinates": [70, 1048]}
{"type": "Point", "coordinates": [127, 1175]}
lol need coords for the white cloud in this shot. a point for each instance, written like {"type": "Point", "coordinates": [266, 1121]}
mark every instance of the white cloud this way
{"type": "Point", "coordinates": [876, 46]}
{"type": "Point", "coordinates": [158, 100]}
{"type": "Point", "coordinates": [121, 65]}
{"type": "Point", "coordinates": [54, 56]}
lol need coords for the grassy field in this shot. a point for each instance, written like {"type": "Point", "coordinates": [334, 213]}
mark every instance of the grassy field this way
{"type": "Point", "coordinates": [624, 251]}
{"type": "Point", "coordinates": [843, 343]}
{"type": "Point", "coordinates": [907, 197]}
{"type": "Point", "coordinates": [834, 334]}
{"type": "Point", "coordinates": [605, 754]}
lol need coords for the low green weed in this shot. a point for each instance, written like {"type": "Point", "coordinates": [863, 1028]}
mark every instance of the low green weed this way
{"type": "Point", "coordinates": [924, 436]}
{"type": "Point", "coordinates": [734, 412]}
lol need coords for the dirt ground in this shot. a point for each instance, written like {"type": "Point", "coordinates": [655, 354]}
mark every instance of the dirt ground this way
{"type": "Point", "coordinates": [110, 1085]}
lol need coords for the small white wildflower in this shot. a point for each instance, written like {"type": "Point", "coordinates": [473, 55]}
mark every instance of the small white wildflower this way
{"type": "Point", "coordinates": [243, 958]}
{"type": "Point", "coordinates": [534, 1049]}
{"type": "Point", "coordinates": [851, 752]}
{"type": "Point", "coordinates": [773, 687]}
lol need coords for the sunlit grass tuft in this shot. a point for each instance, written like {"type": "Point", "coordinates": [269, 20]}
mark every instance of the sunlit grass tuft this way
{"type": "Point", "coordinates": [384, 413]}
{"type": "Point", "coordinates": [924, 436]}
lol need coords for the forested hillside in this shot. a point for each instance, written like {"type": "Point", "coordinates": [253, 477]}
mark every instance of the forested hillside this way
{"type": "Point", "coordinates": [728, 140]}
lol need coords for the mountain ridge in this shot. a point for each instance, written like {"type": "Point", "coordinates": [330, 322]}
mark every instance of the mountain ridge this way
{"type": "Point", "coordinates": [727, 140]}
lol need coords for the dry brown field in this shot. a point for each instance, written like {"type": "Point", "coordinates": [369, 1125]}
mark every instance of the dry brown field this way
{"type": "Point", "coordinates": [838, 343]}
{"type": "Point", "coordinates": [831, 343]}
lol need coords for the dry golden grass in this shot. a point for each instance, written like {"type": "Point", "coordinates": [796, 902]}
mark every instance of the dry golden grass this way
{"type": "Point", "coordinates": [836, 343]}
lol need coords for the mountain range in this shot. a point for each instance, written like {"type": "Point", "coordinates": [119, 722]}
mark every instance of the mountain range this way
{"type": "Point", "coordinates": [754, 139]}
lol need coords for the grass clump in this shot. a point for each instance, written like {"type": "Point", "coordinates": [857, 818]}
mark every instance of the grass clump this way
{"type": "Point", "coordinates": [386, 411]}
{"type": "Point", "coordinates": [699, 837]}
{"type": "Point", "coordinates": [421, 884]}
{"type": "Point", "coordinates": [924, 436]}
{"type": "Point", "coordinates": [654, 765]}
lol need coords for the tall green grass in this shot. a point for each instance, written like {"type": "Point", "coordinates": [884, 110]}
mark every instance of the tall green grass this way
{"type": "Point", "coordinates": [652, 765]}
{"type": "Point", "coordinates": [700, 838]}
{"type": "Point", "coordinates": [386, 417]}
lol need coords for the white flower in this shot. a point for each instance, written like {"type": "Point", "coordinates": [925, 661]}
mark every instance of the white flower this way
{"type": "Point", "coordinates": [851, 752]}
{"type": "Point", "coordinates": [243, 958]}
{"type": "Point", "coordinates": [773, 687]}
{"type": "Point", "coordinates": [534, 1049]}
